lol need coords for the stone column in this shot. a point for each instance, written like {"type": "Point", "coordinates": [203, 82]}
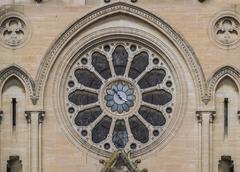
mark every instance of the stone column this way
{"type": "Point", "coordinates": [1, 116]}
{"type": "Point", "coordinates": [205, 119]}
{"type": "Point", "coordinates": [199, 118]}
{"type": "Point", "coordinates": [34, 119]}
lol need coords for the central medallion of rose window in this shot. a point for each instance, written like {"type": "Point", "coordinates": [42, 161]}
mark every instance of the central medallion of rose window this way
{"type": "Point", "coordinates": [120, 95]}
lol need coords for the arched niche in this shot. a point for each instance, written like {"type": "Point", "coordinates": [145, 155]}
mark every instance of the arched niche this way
{"type": "Point", "coordinates": [14, 128]}
{"type": "Point", "coordinates": [226, 124]}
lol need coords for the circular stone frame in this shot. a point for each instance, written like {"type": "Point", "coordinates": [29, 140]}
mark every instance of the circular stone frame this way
{"type": "Point", "coordinates": [27, 29]}
{"type": "Point", "coordinates": [180, 101]}
{"type": "Point", "coordinates": [212, 29]}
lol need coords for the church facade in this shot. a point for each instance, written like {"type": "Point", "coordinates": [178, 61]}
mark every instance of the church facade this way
{"type": "Point", "coordinates": [119, 86]}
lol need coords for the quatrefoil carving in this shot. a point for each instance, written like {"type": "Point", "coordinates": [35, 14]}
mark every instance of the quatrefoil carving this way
{"type": "Point", "coordinates": [227, 30]}
{"type": "Point", "coordinates": [13, 31]}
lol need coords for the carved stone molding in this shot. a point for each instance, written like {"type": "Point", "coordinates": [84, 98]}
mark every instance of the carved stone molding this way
{"type": "Point", "coordinates": [222, 72]}
{"type": "Point", "coordinates": [41, 115]}
{"type": "Point", "coordinates": [14, 29]}
{"type": "Point", "coordinates": [23, 76]}
{"type": "Point", "coordinates": [225, 29]}
{"type": "Point", "coordinates": [211, 114]}
{"type": "Point", "coordinates": [123, 8]}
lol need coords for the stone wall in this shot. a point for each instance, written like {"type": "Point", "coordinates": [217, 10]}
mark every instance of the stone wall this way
{"type": "Point", "coordinates": [199, 40]}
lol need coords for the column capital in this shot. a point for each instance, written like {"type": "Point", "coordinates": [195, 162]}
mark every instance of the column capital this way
{"type": "Point", "coordinates": [40, 115]}
{"type": "Point", "coordinates": [200, 113]}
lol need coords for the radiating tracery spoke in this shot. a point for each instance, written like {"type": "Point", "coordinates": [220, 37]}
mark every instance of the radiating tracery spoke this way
{"type": "Point", "coordinates": [120, 72]}
{"type": "Point", "coordinates": [84, 88]}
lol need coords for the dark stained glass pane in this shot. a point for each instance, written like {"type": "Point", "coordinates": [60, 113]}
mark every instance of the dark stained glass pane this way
{"type": "Point", "coordinates": [139, 130]}
{"type": "Point", "coordinates": [101, 130]}
{"type": "Point", "coordinates": [80, 97]}
{"type": "Point", "coordinates": [87, 78]}
{"type": "Point", "coordinates": [139, 64]}
{"type": "Point", "coordinates": [152, 78]}
{"type": "Point", "coordinates": [120, 135]}
{"type": "Point", "coordinates": [152, 116]}
{"type": "Point", "coordinates": [100, 63]}
{"type": "Point", "coordinates": [158, 97]}
{"type": "Point", "coordinates": [120, 59]}
{"type": "Point", "coordinates": [86, 117]}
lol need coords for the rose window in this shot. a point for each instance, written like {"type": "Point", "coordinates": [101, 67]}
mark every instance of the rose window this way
{"type": "Point", "coordinates": [120, 95]}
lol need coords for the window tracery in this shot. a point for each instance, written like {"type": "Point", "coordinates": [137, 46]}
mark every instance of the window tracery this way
{"type": "Point", "coordinates": [120, 95]}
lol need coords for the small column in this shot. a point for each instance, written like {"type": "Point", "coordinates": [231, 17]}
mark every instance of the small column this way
{"type": "Point", "coordinates": [1, 116]}
{"type": "Point", "coordinates": [199, 118]}
{"type": "Point", "coordinates": [33, 119]}
{"type": "Point", "coordinates": [28, 118]}
{"type": "Point", "coordinates": [40, 121]}
{"type": "Point", "coordinates": [206, 139]}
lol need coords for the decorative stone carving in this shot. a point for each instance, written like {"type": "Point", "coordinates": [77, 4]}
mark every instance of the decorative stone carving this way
{"type": "Point", "coordinates": [226, 30]}
{"type": "Point", "coordinates": [120, 162]}
{"type": "Point", "coordinates": [13, 30]}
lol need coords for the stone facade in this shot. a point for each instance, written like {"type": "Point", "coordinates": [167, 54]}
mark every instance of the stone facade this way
{"type": "Point", "coordinates": [195, 44]}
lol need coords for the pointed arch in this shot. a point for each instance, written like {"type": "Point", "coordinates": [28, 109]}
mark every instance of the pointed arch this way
{"type": "Point", "coordinates": [121, 8]}
{"type": "Point", "coordinates": [220, 74]}
{"type": "Point", "coordinates": [23, 76]}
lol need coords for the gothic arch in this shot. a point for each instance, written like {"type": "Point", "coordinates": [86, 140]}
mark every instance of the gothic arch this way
{"type": "Point", "coordinates": [23, 76]}
{"type": "Point", "coordinates": [110, 10]}
{"type": "Point", "coordinates": [219, 75]}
